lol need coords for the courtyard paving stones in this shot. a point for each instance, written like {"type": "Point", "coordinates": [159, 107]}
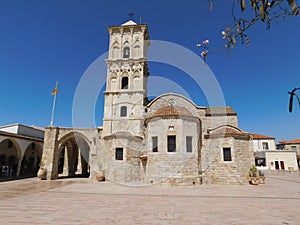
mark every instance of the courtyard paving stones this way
{"type": "Point", "coordinates": [82, 201]}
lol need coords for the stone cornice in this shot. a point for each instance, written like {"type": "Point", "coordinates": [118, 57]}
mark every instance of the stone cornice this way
{"type": "Point", "coordinates": [124, 92]}
{"type": "Point", "coordinates": [123, 60]}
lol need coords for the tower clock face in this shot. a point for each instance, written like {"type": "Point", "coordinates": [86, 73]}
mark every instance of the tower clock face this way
{"type": "Point", "coordinates": [126, 52]}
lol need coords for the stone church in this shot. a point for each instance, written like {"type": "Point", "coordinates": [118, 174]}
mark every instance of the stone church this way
{"type": "Point", "coordinates": [168, 140]}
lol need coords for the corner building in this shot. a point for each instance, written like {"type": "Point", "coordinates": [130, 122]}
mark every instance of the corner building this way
{"type": "Point", "coordinates": [168, 140]}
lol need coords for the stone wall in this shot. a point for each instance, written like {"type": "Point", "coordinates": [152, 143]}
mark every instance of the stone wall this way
{"type": "Point", "coordinates": [120, 171]}
{"type": "Point", "coordinates": [162, 167]}
{"type": "Point", "coordinates": [217, 171]}
{"type": "Point", "coordinates": [174, 168]}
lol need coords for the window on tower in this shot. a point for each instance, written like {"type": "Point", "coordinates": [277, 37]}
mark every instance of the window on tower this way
{"type": "Point", "coordinates": [123, 112]}
{"type": "Point", "coordinates": [126, 52]}
{"type": "Point", "coordinates": [124, 84]}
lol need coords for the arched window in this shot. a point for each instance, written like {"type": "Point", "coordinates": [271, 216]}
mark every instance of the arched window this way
{"type": "Point", "coordinates": [113, 83]}
{"type": "Point", "coordinates": [123, 112]}
{"type": "Point", "coordinates": [137, 82]}
{"type": "Point", "coordinates": [136, 51]}
{"type": "Point", "coordinates": [115, 52]}
{"type": "Point", "coordinates": [126, 52]}
{"type": "Point", "coordinates": [124, 84]}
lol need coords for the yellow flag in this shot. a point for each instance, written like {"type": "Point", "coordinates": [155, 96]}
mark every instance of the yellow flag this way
{"type": "Point", "coordinates": [54, 92]}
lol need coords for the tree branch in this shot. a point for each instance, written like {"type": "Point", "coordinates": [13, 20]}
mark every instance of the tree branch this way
{"type": "Point", "coordinates": [264, 11]}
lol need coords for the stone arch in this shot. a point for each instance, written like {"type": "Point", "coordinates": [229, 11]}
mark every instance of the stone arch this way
{"type": "Point", "coordinates": [176, 100]}
{"type": "Point", "coordinates": [124, 82]}
{"type": "Point", "coordinates": [113, 81]}
{"type": "Point", "coordinates": [169, 95]}
{"type": "Point", "coordinates": [126, 43]}
{"type": "Point", "coordinates": [226, 131]}
{"type": "Point", "coordinates": [137, 84]}
{"type": "Point", "coordinates": [126, 51]}
{"type": "Point", "coordinates": [136, 49]}
{"type": "Point", "coordinates": [115, 50]}
{"type": "Point", "coordinates": [73, 155]}
{"type": "Point", "coordinates": [10, 155]}
{"type": "Point", "coordinates": [31, 159]}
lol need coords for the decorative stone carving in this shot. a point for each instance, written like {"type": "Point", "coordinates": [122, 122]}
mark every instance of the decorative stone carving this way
{"type": "Point", "coordinates": [114, 68]}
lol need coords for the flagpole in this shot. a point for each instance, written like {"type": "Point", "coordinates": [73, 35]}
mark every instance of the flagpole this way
{"type": "Point", "coordinates": [53, 106]}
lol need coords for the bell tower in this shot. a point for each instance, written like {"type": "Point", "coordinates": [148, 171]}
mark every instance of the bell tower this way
{"type": "Point", "coordinates": [127, 75]}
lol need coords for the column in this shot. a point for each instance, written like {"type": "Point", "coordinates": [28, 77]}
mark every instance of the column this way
{"type": "Point", "coordinates": [66, 160]}
{"type": "Point", "coordinates": [79, 165]}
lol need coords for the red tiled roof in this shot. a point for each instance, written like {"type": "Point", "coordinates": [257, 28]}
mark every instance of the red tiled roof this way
{"type": "Point", "coordinates": [171, 111]}
{"type": "Point", "coordinates": [295, 141]}
{"type": "Point", "coordinates": [259, 136]}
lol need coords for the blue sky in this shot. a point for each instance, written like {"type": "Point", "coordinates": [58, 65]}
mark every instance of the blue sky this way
{"type": "Point", "coordinates": [43, 41]}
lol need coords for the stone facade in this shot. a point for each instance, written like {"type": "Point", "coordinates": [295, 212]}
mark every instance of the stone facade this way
{"type": "Point", "coordinates": [215, 166]}
{"type": "Point", "coordinates": [169, 140]}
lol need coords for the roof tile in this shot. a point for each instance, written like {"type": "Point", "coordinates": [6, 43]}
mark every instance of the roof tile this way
{"type": "Point", "coordinates": [171, 111]}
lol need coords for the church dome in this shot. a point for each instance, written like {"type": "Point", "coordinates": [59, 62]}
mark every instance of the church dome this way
{"type": "Point", "coordinates": [171, 111]}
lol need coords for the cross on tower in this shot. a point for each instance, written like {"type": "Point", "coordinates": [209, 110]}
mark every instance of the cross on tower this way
{"type": "Point", "coordinates": [131, 14]}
